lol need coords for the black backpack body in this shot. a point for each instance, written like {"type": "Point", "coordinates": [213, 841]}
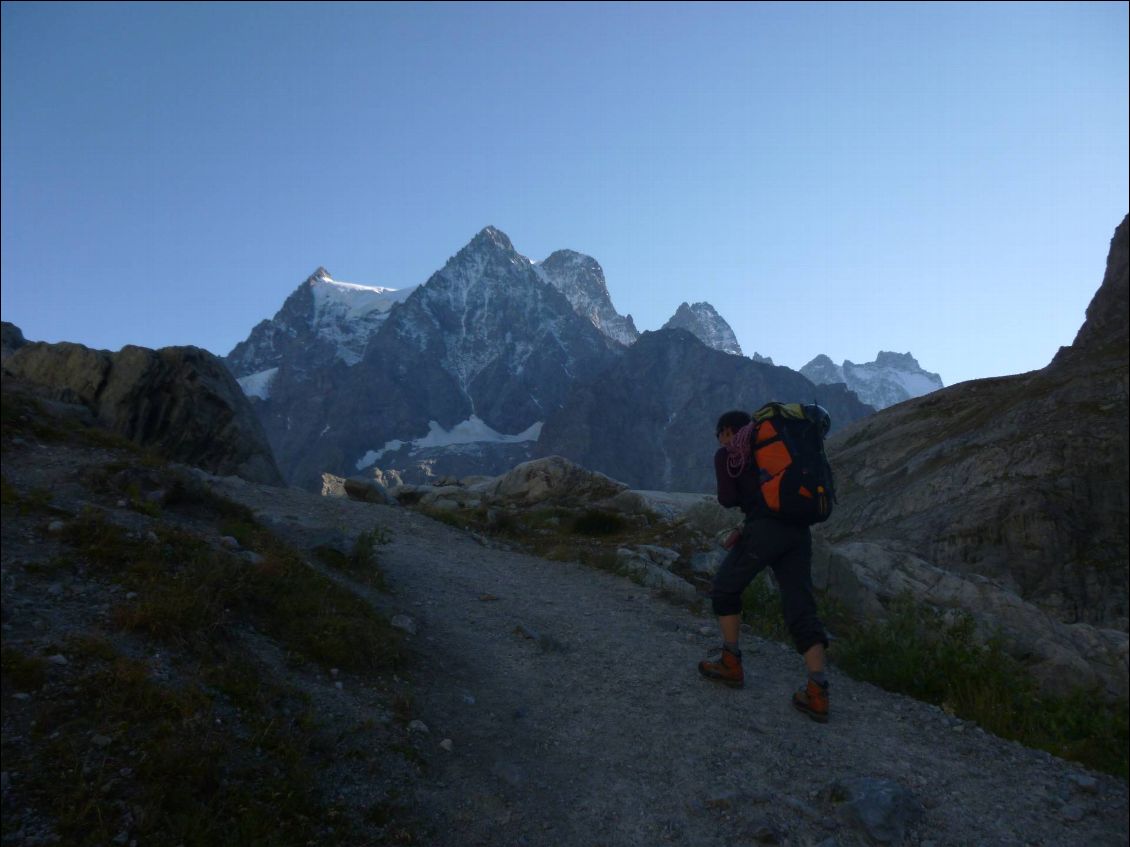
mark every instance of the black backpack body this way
{"type": "Point", "coordinates": [787, 445]}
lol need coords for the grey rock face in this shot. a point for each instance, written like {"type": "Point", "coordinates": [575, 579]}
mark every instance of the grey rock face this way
{"type": "Point", "coordinates": [703, 321]}
{"type": "Point", "coordinates": [180, 400]}
{"type": "Point", "coordinates": [890, 379]}
{"type": "Point", "coordinates": [1105, 330]}
{"type": "Point", "coordinates": [1021, 479]}
{"type": "Point", "coordinates": [581, 279]}
{"type": "Point", "coordinates": [649, 420]}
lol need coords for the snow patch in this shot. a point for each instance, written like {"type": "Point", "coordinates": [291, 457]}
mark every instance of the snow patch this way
{"type": "Point", "coordinates": [350, 300]}
{"type": "Point", "coordinates": [347, 314]}
{"type": "Point", "coordinates": [471, 431]}
{"type": "Point", "coordinates": [258, 384]}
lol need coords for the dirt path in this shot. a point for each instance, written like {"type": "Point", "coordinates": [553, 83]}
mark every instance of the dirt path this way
{"type": "Point", "coordinates": [575, 718]}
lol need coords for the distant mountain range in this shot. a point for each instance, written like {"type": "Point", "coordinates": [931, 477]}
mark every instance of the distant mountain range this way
{"type": "Point", "coordinates": [890, 379]}
{"type": "Point", "coordinates": [466, 372]}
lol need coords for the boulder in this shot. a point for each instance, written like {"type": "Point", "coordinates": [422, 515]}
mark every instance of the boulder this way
{"type": "Point", "coordinates": [367, 491]}
{"type": "Point", "coordinates": [552, 479]}
{"type": "Point", "coordinates": [181, 401]}
{"type": "Point", "coordinates": [640, 565]}
{"type": "Point", "coordinates": [333, 486]}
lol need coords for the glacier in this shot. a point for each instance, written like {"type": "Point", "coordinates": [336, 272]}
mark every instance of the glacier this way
{"type": "Point", "coordinates": [474, 430]}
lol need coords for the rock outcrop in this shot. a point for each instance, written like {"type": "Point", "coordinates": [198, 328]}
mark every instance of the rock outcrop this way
{"type": "Point", "coordinates": [181, 401]}
{"type": "Point", "coordinates": [1021, 481]}
{"type": "Point", "coordinates": [11, 340]}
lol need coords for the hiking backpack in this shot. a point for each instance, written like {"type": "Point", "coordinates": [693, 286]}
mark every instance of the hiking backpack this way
{"type": "Point", "coordinates": [787, 444]}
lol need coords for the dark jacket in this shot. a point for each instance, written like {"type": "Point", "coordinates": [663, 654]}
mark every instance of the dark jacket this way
{"type": "Point", "coordinates": [743, 491]}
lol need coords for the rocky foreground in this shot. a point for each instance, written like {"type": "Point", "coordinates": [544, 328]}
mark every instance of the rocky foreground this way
{"type": "Point", "coordinates": [537, 702]}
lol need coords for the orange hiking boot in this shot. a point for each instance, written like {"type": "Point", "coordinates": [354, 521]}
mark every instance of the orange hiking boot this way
{"type": "Point", "coordinates": [813, 701]}
{"type": "Point", "coordinates": [727, 669]}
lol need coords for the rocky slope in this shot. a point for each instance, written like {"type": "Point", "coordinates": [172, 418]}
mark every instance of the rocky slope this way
{"type": "Point", "coordinates": [649, 420]}
{"type": "Point", "coordinates": [890, 379]}
{"type": "Point", "coordinates": [1019, 486]}
{"type": "Point", "coordinates": [180, 401]}
{"type": "Point", "coordinates": [153, 677]}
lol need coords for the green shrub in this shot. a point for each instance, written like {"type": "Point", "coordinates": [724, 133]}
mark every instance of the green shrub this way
{"type": "Point", "coordinates": [920, 652]}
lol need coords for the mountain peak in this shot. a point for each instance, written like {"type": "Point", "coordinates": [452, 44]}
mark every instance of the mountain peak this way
{"type": "Point", "coordinates": [890, 379]}
{"type": "Point", "coordinates": [897, 360]}
{"type": "Point", "coordinates": [581, 279]}
{"type": "Point", "coordinates": [703, 321]}
{"type": "Point", "coordinates": [490, 237]}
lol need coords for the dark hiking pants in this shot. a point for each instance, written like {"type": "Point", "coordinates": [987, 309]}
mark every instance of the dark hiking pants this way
{"type": "Point", "coordinates": [787, 549]}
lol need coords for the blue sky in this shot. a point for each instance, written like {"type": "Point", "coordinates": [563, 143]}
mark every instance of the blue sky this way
{"type": "Point", "coordinates": [843, 178]}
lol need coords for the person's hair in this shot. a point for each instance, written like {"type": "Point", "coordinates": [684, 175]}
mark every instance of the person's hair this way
{"type": "Point", "coordinates": [735, 420]}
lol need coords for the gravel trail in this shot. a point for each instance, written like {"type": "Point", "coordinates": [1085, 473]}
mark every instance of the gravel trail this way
{"type": "Point", "coordinates": [563, 707]}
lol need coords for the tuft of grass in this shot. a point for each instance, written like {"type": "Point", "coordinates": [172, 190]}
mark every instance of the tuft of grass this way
{"type": "Point", "coordinates": [761, 609]}
{"type": "Point", "coordinates": [363, 562]}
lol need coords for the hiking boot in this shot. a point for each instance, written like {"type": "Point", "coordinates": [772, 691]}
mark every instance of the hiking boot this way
{"type": "Point", "coordinates": [813, 701]}
{"type": "Point", "coordinates": [727, 668]}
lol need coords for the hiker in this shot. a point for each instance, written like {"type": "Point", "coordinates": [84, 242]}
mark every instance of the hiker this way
{"type": "Point", "coordinates": [766, 541]}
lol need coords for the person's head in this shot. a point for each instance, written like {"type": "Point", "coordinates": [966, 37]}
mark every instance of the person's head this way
{"type": "Point", "coordinates": [730, 423]}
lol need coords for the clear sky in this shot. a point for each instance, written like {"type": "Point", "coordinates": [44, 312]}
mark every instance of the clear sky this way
{"type": "Point", "coordinates": [834, 178]}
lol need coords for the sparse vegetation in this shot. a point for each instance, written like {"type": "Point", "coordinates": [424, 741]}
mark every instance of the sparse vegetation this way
{"type": "Point", "coordinates": [25, 418]}
{"type": "Point", "coordinates": [761, 609]}
{"type": "Point", "coordinates": [168, 763]}
{"type": "Point", "coordinates": [191, 743]}
{"type": "Point", "coordinates": [920, 652]}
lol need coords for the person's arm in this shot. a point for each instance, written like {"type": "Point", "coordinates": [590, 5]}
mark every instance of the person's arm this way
{"type": "Point", "coordinates": [728, 494]}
